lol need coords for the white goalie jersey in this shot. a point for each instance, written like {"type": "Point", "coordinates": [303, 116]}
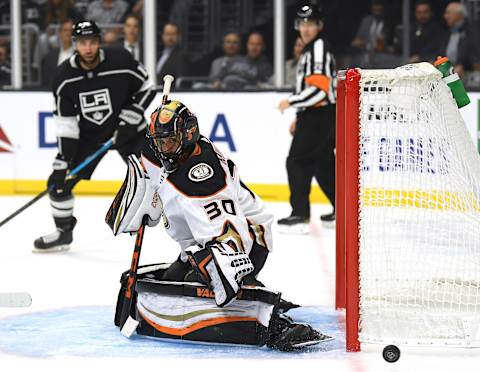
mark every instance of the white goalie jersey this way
{"type": "Point", "coordinates": [202, 201]}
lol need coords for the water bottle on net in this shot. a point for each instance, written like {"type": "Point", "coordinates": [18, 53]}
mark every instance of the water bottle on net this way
{"type": "Point", "coordinates": [453, 81]}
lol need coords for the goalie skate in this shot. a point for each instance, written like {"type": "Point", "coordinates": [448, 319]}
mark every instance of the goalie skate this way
{"type": "Point", "coordinates": [286, 335]}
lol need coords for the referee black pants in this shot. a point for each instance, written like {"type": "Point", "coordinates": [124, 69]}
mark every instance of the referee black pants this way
{"type": "Point", "coordinates": [312, 155]}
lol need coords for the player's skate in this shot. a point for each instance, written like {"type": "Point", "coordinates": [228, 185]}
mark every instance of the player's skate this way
{"type": "Point", "coordinates": [294, 225]}
{"type": "Point", "coordinates": [328, 220]}
{"type": "Point", "coordinates": [286, 335]}
{"type": "Point", "coordinates": [59, 240]}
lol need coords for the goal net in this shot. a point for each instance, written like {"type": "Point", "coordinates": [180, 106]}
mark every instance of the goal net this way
{"type": "Point", "coordinates": [410, 211]}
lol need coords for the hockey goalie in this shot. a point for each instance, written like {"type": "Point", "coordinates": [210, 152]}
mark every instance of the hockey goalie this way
{"type": "Point", "coordinates": [211, 292]}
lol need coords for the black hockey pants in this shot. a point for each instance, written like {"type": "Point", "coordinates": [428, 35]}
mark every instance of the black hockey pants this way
{"type": "Point", "coordinates": [312, 155]}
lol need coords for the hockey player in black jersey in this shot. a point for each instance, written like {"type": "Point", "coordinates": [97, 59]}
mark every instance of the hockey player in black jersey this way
{"type": "Point", "coordinates": [224, 234]}
{"type": "Point", "coordinates": [99, 93]}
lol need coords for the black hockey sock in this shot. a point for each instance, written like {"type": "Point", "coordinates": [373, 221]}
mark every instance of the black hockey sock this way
{"type": "Point", "coordinates": [65, 224]}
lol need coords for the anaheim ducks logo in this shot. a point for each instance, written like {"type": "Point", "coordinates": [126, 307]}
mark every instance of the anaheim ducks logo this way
{"type": "Point", "coordinates": [200, 172]}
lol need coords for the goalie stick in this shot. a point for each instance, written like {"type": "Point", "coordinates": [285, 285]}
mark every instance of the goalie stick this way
{"type": "Point", "coordinates": [15, 299]}
{"type": "Point", "coordinates": [128, 324]}
{"type": "Point", "coordinates": [167, 85]}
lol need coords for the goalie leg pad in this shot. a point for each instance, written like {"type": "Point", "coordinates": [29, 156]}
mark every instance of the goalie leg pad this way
{"type": "Point", "coordinates": [255, 319]}
{"type": "Point", "coordinates": [222, 267]}
{"type": "Point", "coordinates": [135, 199]}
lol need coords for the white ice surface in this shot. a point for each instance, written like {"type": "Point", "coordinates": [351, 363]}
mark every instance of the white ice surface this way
{"type": "Point", "coordinates": [69, 326]}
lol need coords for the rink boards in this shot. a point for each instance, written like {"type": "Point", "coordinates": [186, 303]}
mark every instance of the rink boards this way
{"type": "Point", "coordinates": [247, 127]}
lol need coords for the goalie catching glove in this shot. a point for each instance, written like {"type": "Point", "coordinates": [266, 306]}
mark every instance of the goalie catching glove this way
{"type": "Point", "coordinates": [131, 122]}
{"type": "Point", "coordinates": [222, 268]}
{"type": "Point", "coordinates": [135, 199]}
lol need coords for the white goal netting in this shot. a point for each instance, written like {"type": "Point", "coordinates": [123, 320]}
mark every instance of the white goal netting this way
{"type": "Point", "coordinates": [419, 200]}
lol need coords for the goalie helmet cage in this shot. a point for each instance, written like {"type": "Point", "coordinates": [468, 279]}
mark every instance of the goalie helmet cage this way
{"type": "Point", "coordinates": [408, 211]}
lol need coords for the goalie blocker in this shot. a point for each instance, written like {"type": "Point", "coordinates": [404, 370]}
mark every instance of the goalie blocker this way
{"type": "Point", "coordinates": [187, 311]}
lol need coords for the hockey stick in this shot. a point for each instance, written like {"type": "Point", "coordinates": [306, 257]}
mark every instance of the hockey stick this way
{"type": "Point", "coordinates": [72, 173]}
{"type": "Point", "coordinates": [16, 299]}
{"type": "Point", "coordinates": [167, 85]}
{"type": "Point", "coordinates": [127, 322]}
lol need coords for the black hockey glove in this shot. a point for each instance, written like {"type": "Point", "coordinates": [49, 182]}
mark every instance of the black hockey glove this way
{"type": "Point", "coordinates": [131, 122]}
{"type": "Point", "coordinates": [59, 175]}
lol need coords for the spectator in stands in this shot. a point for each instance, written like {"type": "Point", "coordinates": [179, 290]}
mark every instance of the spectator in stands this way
{"type": "Point", "coordinates": [58, 11]}
{"type": "Point", "coordinates": [256, 59]}
{"type": "Point", "coordinates": [57, 55]}
{"type": "Point", "coordinates": [461, 42]}
{"type": "Point", "coordinates": [231, 49]}
{"type": "Point", "coordinates": [172, 59]}
{"type": "Point", "coordinates": [135, 7]}
{"type": "Point", "coordinates": [4, 21]}
{"type": "Point", "coordinates": [426, 35]}
{"type": "Point", "coordinates": [81, 6]}
{"type": "Point", "coordinates": [107, 11]}
{"type": "Point", "coordinates": [370, 42]}
{"type": "Point", "coordinates": [371, 34]}
{"type": "Point", "coordinates": [131, 32]}
{"type": "Point", "coordinates": [5, 72]}
{"type": "Point", "coordinates": [291, 64]}
{"type": "Point", "coordinates": [109, 38]}
{"type": "Point", "coordinates": [250, 71]}
{"type": "Point", "coordinates": [33, 12]}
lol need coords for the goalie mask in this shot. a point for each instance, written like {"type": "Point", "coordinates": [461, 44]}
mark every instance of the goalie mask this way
{"type": "Point", "coordinates": [172, 133]}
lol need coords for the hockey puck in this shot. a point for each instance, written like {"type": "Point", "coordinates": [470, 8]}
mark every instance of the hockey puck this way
{"type": "Point", "coordinates": [391, 353]}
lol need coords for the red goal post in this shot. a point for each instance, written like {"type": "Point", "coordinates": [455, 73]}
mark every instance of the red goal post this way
{"type": "Point", "coordinates": [347, 136]}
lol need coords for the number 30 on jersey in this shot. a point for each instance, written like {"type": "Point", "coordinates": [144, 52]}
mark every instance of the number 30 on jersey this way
{"type": "Point", "coordinates": [217, 207]}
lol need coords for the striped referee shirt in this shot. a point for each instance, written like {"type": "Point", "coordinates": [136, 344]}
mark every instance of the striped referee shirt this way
{"type": "Point", "coordinates": [315, 80]}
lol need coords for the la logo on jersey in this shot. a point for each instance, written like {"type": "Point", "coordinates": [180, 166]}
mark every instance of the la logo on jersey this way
{"type": "Point", "coordinates": [5, 144]}
{"type": "Point", "coordinates": [96, 105]}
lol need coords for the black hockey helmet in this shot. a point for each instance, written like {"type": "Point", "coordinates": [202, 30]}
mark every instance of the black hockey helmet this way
{"type": "Point", "coordinates": [86, 29]}
{"type": "Point", "coordinates": [308, 12]}
{"type": "Point", "coordinates": [173, 132]}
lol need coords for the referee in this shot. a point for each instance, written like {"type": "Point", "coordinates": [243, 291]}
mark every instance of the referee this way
{"type": "Point", "coordinates": [312, 149]}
